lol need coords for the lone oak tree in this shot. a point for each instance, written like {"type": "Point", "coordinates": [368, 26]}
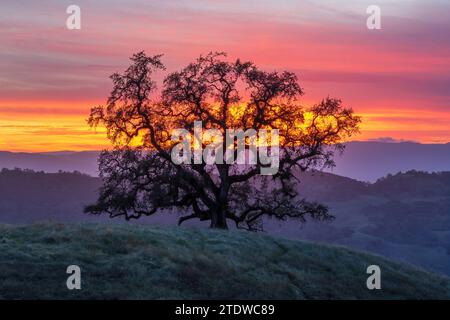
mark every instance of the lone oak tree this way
{"type": "Point", "coordinates": [140, 178]}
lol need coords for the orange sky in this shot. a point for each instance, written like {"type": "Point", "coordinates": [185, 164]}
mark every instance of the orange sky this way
{"type": "Point", "coordinates": [397, 78]}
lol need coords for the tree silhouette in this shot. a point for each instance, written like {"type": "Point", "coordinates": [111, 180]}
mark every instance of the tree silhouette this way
{"type": "Point", "coordinates": [140, 177]}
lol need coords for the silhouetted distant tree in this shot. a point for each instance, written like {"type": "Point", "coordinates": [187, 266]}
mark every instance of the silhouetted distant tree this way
{"type": "Point", "coordinates": [140, 177]}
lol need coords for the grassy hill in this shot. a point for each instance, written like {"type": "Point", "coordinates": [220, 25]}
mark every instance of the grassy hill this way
{"type": "Point", "coordinates": [142, 262]}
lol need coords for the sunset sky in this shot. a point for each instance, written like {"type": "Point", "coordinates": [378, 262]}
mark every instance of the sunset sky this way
{"type": "Point", "coordinates": [397, 78]}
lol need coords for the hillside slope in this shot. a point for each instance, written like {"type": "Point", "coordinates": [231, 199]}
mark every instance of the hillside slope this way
{"type": "Point", "coordinates": [137, 262]}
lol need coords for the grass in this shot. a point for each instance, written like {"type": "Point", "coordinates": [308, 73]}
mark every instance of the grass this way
{"type": "Point", "coordinates": [142, 262]}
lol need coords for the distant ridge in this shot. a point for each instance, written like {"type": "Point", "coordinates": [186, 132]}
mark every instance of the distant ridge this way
{"type": "Point", "coordinates": [363, 161]}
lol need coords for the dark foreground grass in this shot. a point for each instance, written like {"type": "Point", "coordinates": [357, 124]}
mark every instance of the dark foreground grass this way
{"type": "Point", "coordinates": [135, 262]}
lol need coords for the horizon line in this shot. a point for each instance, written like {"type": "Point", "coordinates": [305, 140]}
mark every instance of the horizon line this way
{"type": "Point", "coordinates": [353, 141]}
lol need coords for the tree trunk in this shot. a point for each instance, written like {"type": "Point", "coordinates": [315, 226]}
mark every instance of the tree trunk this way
{"type": "Point", "coordinates": [218, 220]}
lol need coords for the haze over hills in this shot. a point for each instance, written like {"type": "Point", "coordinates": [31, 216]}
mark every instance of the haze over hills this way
{"type": "Point", "coordinates": [364, 161]}
{"type": "Point", "coordinates": [370, 160]}
{"type": "Point", "coordinates": [84, 161]}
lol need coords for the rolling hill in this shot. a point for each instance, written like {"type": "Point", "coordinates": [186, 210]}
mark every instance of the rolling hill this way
{"type": "Point", "coordinates": [405, 217]}
{"type": "Point", "coordinates": [141, 262]}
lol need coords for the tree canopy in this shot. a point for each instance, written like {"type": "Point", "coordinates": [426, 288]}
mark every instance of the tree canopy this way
{"type": "Point", "coordinates": [141, 178]}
